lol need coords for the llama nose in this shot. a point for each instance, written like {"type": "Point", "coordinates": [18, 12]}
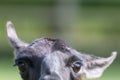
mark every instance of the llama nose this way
{"type": "Point", "coordinates": [51, 76]}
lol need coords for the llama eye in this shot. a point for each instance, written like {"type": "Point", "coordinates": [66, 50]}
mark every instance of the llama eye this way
{"type": "Point", "coordinates": [76, 66]}
{"type": "Point", "coordinates": [21, 65]}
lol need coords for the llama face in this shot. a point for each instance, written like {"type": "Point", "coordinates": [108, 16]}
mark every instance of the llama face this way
{"type": "Point", "coordinates": [48, 59]}
{"type": "Point", "coordinates": [52, 59]}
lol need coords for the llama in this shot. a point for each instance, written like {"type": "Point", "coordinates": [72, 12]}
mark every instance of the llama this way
{"type": "Point", "coordinates": [52, 59]}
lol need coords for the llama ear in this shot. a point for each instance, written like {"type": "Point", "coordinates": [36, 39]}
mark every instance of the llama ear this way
{"type": "Point", "coordinates": [95, 66]}
{"type": "Point", "coordinates": [13, 38]}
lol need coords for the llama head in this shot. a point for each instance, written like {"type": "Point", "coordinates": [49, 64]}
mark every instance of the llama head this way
{"type": "Point", "coordinates": [52, 59]}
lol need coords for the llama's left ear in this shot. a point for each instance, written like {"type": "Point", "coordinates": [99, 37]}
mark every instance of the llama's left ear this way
{"type": "Point", "coordinates": [13, 38]}
{"type": "Point", "coordinates": [95, 66]}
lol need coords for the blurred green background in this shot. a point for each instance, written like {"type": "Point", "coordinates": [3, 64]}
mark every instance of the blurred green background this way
{"type": "Point", "coordinates": [90, 26]}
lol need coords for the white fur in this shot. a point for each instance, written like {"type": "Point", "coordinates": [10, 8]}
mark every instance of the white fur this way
{"type": "Point", "coordinates": [97, 72]}
{"type": "Point", "coordinates": [12, 36]}
{"type": "Point", "coordinates": [11, 31]}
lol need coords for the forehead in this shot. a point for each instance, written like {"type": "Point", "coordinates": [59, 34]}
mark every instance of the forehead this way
{"type": "Point", "coordinates": [44, 46]}
{"type": "Point", "coordinates": [49, 45]}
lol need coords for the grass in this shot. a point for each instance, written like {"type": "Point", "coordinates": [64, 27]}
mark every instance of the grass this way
{"type": "Point", "coordinates": [7, 71]}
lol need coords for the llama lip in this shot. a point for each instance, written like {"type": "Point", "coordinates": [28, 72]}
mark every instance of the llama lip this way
{"type": "Point", "coordinates": [46, 59]}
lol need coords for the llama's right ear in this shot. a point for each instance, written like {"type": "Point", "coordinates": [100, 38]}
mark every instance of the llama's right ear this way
{"type": "Point", "coordinates": [13, 38]}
